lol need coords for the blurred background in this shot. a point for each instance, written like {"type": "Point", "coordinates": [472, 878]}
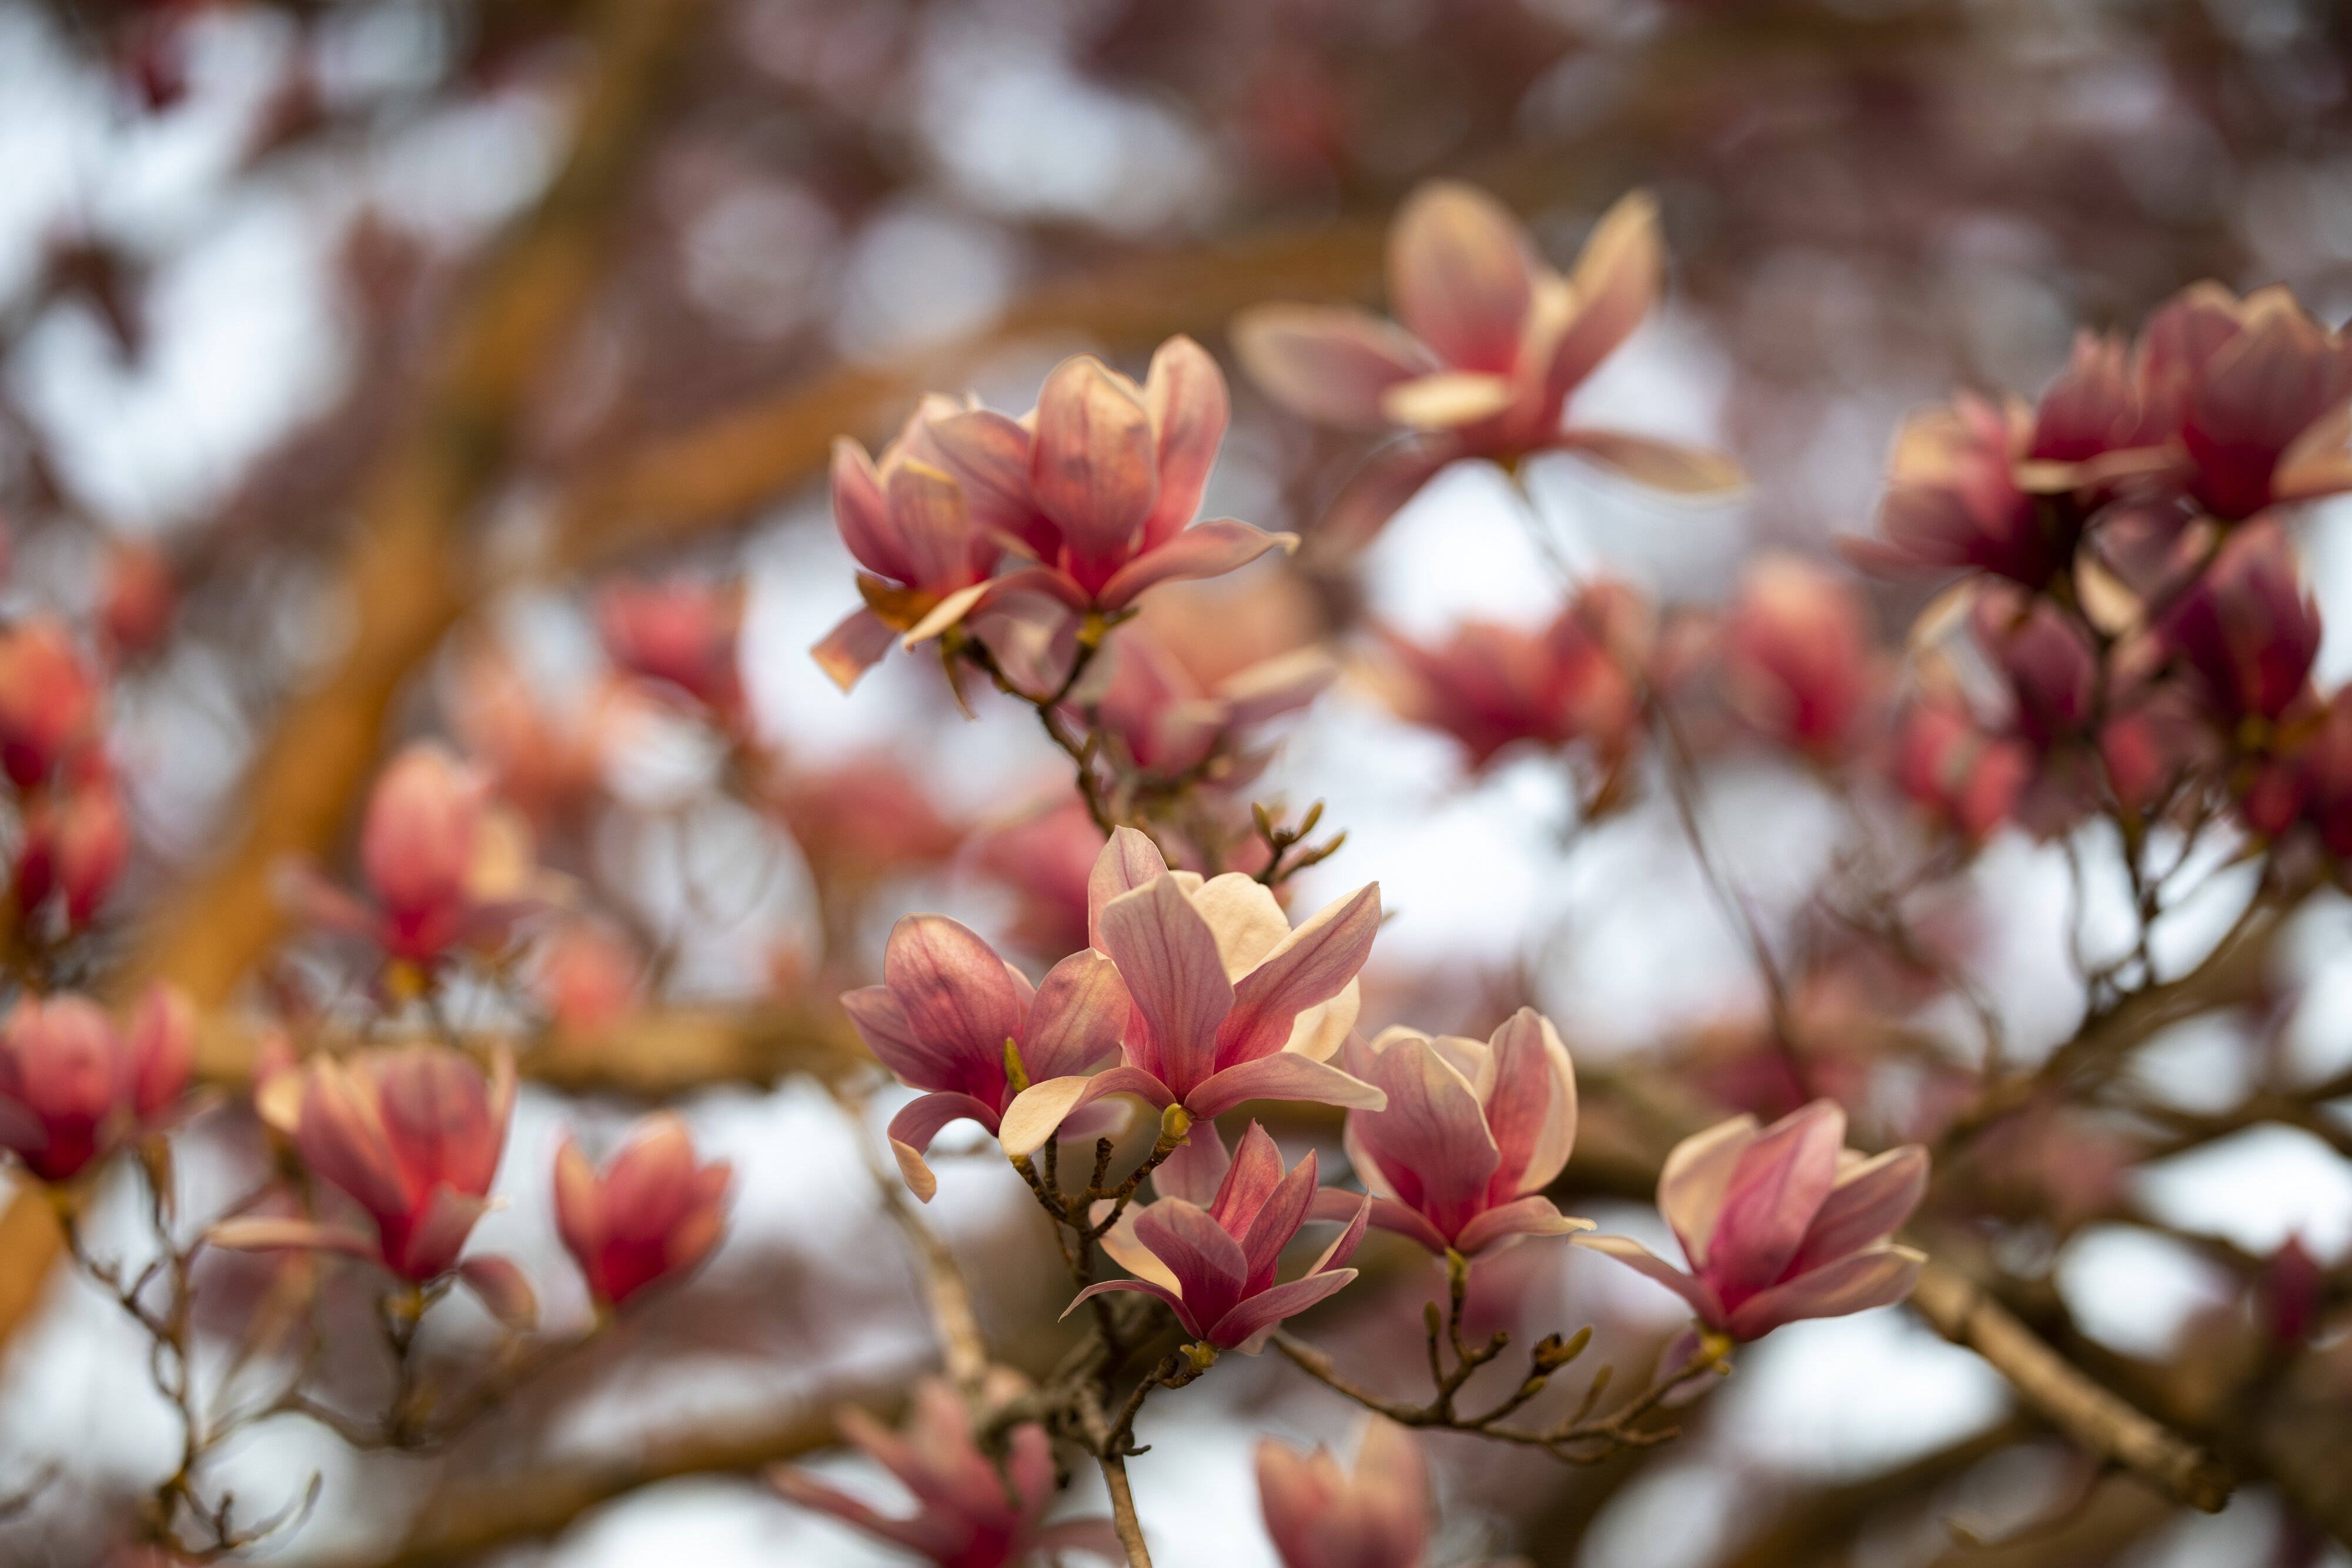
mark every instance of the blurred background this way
{"type": "Point", "coordinates": [358, 360]}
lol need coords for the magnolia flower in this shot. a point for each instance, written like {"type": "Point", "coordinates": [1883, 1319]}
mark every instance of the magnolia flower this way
{"type": "Point", "coordinates": [1782, 1223]}
{"type": "Point", "coordinates": [1214, 1264]}
{"type": "Point", "coordinates": [2327, 765]}
{"type": "Point", "coordinates": [1796, 655]}
{"type": "Point", "coordinates": [1228, 1002]}
{"type": "Point", "coordinates": [2253, 395]}
{"type": "Point", "coordinates": [1321, 1516]}
{"type": "Point", "coordinates": [1045, 857]}
{"type": "Point", "coordinates": [1169, 721]}
{"type": "Point", "coordinates": [2247, 629]}
{"type": "Point", "coordinates": [546, 757]}
{"type": "Point", "coordinates": [1491, 687]}
{"type": "Point", "coordinates": [74, 1087]}
{"type": "Point", "coordinates": [48, 699]}
{"type": "Point", "coordinates": [76, 845]}
{"type": "Point", "coordinates": [139, 599]}
{"type": "Point", "coordinates": [952, 1018]}
{"type": "Point", "coordinates": [971, 1511]}
{"type": "Point", "coordinates": [1493, 342]}
{"type": "Point", "coordinates": [860, 820]}
{"type": "Point", "coordinates": [1094, 487]}
{"type": "Point", "coordinates": [412, 1133]}
{"type": "Point", "coordinates": [588, 976]}
{"type": "Point", "coordinates": [443, 870]}
{"type": "Point", "coordinates": [652, 1215]}
{"type": "Point", "coordinates": [1948, 763]}
{"type": "Point", "coordinates": [682, 634]}
{"type": "Point", "coordinates": [907, 521]}
{"type": "Point", "coordinates": [1472, 1134]}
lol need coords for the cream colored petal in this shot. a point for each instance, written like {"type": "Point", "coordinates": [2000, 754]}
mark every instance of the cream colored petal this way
{"type": "Point", "coordinates": [1246, 918]}
{"type": "Point", "coordinates": [1448, 399]}
{"type": "Point", "coordinates": [1320, 1030]}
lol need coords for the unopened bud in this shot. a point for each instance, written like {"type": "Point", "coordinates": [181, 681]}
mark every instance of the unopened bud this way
{"type": "Point", "coordinates": [1175, 1123]}
{"type": "Point", "coordinates": [1554, 1353]}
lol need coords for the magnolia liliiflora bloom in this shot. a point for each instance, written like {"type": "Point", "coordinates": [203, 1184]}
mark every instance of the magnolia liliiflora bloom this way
{"type": "Point", "coordinates": [1211, 1255]}
{"type": "Point", "coordinates": [1783, 1222]}
{"type": "Point", "coordinates": [1473, 1133]}
{"type": "Point", "coordinates": [1227, 1002]}
{"type": "Point", "coordinates": [971, 1512]}
{"type": "Point", "coordinates": [1491, 345]}
{"type": "Point", "coordinates": [74, 1085]}
{"type": "Point", "coordinates": [650, 1215]}
{"type": "Point", "coordinates": [412, 1133]}
{"type": "Point", "coordinates": [1320, 1516]}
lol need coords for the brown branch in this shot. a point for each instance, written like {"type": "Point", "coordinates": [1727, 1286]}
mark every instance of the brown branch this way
{"type": "Point", "coordinates": [30, 1243]}
{"type": "Point", "coordinates": [2098, 1421]}
{"type": "Point", "coordinates": [1814, 1528]}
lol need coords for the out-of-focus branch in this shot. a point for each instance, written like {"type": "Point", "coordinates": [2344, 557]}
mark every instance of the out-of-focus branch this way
{"type": "Point", "coordinates": [30, 1242]}
{"type": "Point", "coordinates": [2096, 1420]}
{"type": "Point", "coordinates": [401, 570]}
{"type": "Point", "coordinates": [1816, 1527]}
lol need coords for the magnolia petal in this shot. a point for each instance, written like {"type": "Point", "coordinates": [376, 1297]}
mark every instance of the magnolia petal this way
{"type": "Point", "coordinates": [1392, 476]}
{"type": "Point", "coordinates": [1615, 281]}
{"type": "Point", "coordinates": [1854, 1283]}
{"type": "Point", "coordinates": [883, 1024]}
{"type": "Point", "coordinates": [1448, 399]}
{"type": "Point", "coordinates": [1317, 1033]}
{"type": "Point", "coordinates": [502, 1288]}
{"type": "Point", "coordinates": [1313, 963]}
{"type": "Point", "coordinates": [1168, 957]}
{"type": "Point", "coordinates": [1696, 1174]}
{"type": "Point", "coordinates": [1037, 1110]}
{"type": "Point", "coordinates": [1206, 549]}
{"type": "Point", "coordinates": [919, 1121]}
{"type": "Point", "coordinates": [1872, 1198]}
{"type": "Point", "coordinates": [796, 1486]}
{"type": "Point", "coordinates": [1093, 466]}
{"type": "Point", "coordinates": [853, 647]}
{"type": "Point", "coordinates": [955, 992]}
{"type": "Point", "coordinates": [1391, 1215]}
{"type": "Point", "coordinates": [1205, 1258]}
{"type": "Point", "coordinates": [951, 609]}
{"type": "Point", "coordinates": [1146, 1287]}
{"type": "Point", "coordinates": [1532, 1105]}
{"type": "Point", "coordinates": [1285, 1075]}
{"type": "Point", "coordinates": [1247, 1320]}
{"type": "Point", "coordinates": [1329, 364]}
{"type": "Point", "coordinates": [933, 524]}
{"type": "Point", "coordinates": [1245, 917]}
{"type": "Point", "coordinates": [1128, 862]}
{"type": "Point", "coordinates": [1130, 1254]}
{"type": "Point", "coordinates": [1075, 1019]}
{"type": "Point", "coordinates": [1460, 274]}
{"type": "Point", "coordinates": [1780, 1184]}
{"type": "Point", "coordinates": [990, 454]}
{"type": "Point", "coordinates": [266, 1234]}
{"type": "Point", "coordinates": [1633, 1255]}
{"type": "Point", "coordinates": [1197, 1169]}
{"type": "Point", "coordinates": [1433, 1131]}
{"type": "Point", "coordinates": [1184, 393]}
{"type": "Point", "coordinates": [861, 513]}
{"type": "Point", "coordinates": [1343, 1246]}
{"type": "Point", "coordinates": [1531, 1216]}
{"type": "Point", "coordinates": [1667, 465]}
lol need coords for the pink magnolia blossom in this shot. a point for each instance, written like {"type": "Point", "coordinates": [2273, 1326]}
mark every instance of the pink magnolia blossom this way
{"type": "Point", "coordinates": [861, 819]}
{"type": "Point", "coordinates": [74, 1086]}
{"type": "Point", "coordinates": [48, 699]}
{"type": "Point", "coordinates": [2327, 765]}
{"type": "Point", "coordinates": [2253, 395]}
{"type": "Point", "coordinates": [947, 1012]}
{"type": "Point", "coordinates": [546, 757]}
{"type": "Point", "coordinates": [1169, 721]}
{"type": "Point", "coordinates": [971, 1511]}
{"type": "Point", "coordinates": [1093, 489]}
{"type": "Point", "coordinates": [588, 976]}
{"type": "Point", "coordinates": [412, 1133]}
{"type": "Point", "coordinates": [1952, 766]}
{"type": "Point", "coordinates": [1782, 1223]}
{"type": "Point", "coordinates": [139, 599]}
{"type": "Point", "coordinates": [908, 522]}
{"type": "Point", "coordinates": [76, 845]}
{"type": "Point", "coordinates": [1214, 1264]}
{"type": "Point", "coordinates": [1228, 1003]}
{"type": "Point", "coordinates": [1321, 1516]}
{"type": "Point", "coordinates": [1797, 656]}
{"type": "Point", "coordinates": [1045, 857]}
{"type": "Point", "coordinates": [1473, 1133]}
{"type": "Point", "coordinates": [652, 1214]}
{"type": "Point", "coordinates": [1491, 346]}
{"type": "Point", "coordinates": [1492, 686]}
{"type": "Point", "coordinates": [682, 634]}
{"type": "Point", "coordinates": [2247, 630]}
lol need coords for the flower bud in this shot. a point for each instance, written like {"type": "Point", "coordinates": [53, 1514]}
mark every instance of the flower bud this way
{"type": "Point", "coordinates": [48, 699]}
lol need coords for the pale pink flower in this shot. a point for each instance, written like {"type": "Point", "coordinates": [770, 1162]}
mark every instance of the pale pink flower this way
{"type": "Point", "coordinates": [681, 633]}
{"type": "Point", "coordinates": [2247, 630]}
{"type": "Point", "coordinates": [547, 758]}
{"type": "Point", "coordinates": [1492, 345]}
{"type": "Point", "coordinates": [1797, 659]}
{"type": "Point", "coordinates": [2253, 395]}
{"type": "Point", "coordinates": [1214, 1264]}
{"type": "Point", "coordinates": [48, 699]}
{"type": "Point", "coordinates": [1321, 1516]}
{"type": "Point", "coordinates": [907, 520]}
{"type": "Point", "coordinates": [652, 1214]}
{"type": "Point", "coordinates": [948, 1011]}
{"type": "Point", "coordinates": [412, 1133]}
{"type": "Point", "coordinates": [1228, 1002]}
{"type": "Point", "coordinates": [971, 1511]}
{"type": "Point", "coordinates": [74, 1086]}
{"type": "Point", "coordinates": [1094, 488]}
{"type": "Point", "coordinates": [1783, 1222]}
{"type": "Point", "coordinates": [1473, 1133]}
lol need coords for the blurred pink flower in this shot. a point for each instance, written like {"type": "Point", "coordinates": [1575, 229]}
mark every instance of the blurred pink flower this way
{"type": "Point", "coordinates": [1045, 857]}
{"type": "Point", "coordinates": [1214, 1265]}
{"type": "Point", "coordinates": [1491, 687]}
{"type": "Point", "coordinates": [1492, 345]}
{"type": "Point", "coordinates": [1094, 487]}
{"type": "Point", "coordinates": [1797, 659]}
{"type": "Point", "coordinates": [1321, 1516]}
{"type": "Point", "coordinates": [1473, 1133]}
{"type": "Point", "coordinates": [547, 758]}
{"type": "Point", "coordinates": [2247, 630]}
{"type": "Point", "coordinates": [1948, 763]}
{"type": "Point", "coordinates": [1782, 1223]}
{"type": "Point", "coordinates": [860, 818]}
{"type": "Point", "coordinates": [74, 1086]}
{"type": "Point", "coordinates": [1228, 1002]}
{"type": "Point", "coordinates": [2327, 767]}
{"type": "Point", "coordinates": [1168, 722]}
{"type": "Point", "coordinates": [588, 977]}
{"type": "Point", "coordinates": [412, 1133]}
{"type": "Point", "coordinates": [139, 599]}
{"type": "Point", "coordinates": [681, 633]}
{"type": "Point", "coordinates": [950, 1011]}
{"type": "Point", "coordinates": [907, 521]}
{"type": "Point", "coordinates": [48, 698]}
{"type": "Point", "coordinates": [2252, 393]}
{"type": "Point", "coordinates": [653, 1214]}
{"type": "Point", "coordinates": [971, 1512]}
{"type": "Point", "coordinates": [77, 842]}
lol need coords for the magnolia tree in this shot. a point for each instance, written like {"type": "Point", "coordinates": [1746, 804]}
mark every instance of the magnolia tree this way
{"type": "Point", "coordinates": [263, 1095]}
